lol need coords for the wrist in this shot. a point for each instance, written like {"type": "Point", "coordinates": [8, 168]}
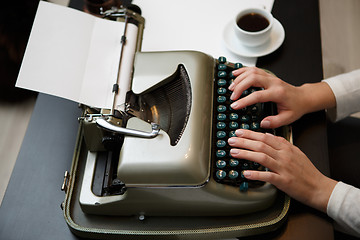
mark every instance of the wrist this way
{"type": "Point", "coordinates": [322, 193]}
{"type": "Point", "coordinates": [317, 96]}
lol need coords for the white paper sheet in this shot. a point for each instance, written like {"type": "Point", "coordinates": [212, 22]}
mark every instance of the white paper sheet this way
{"type": "Point", "coordinates": [75, 55]}
{"type": "Point", "coordinates": [193, 25]}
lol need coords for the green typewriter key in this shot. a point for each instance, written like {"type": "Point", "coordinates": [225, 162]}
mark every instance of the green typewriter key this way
{"type": "Point", "coordinates": [245, 126]}
{"type": "Point", "coordinates": [245, 118]}
{"type": "Point", "coordinates": [255, 126]}
{"type": "Point", "coordinates": [232, 134]}
{"type": "Point", "coordinates": [222, 74]}
{"type": "Point", "coordinates": [238, 65]}
{"type": "Point", "coordinates": [244, 93]}
{"type": "Point", "coordinates": [245, 166]}
{"type": "Point", "coordinates": [222, 59]}
{"type": "Point", "coordinates": [220, 163]}
{"type": "Point", "coordinates": [233, 174]}
{"type": "Point", "coordinates": [222, 67]}
{"type": "Point", "coordinates": [233, 162]}
{"type": "Point", "coordinates": [221, 108]}
{"type": "Point", "coordinates": [220, 153]}
{"type": "Point", "coordinates": [221, 99]}
{"type": "Point", "coordinates": [233, 116]}
{"type": "Point", "coordinates": [221, 90]}
{"type": "Point", "coordinates": [255, 165]}
{"type": "Point", "coordinates": [220, 174]}
{"type": "Point", "coordinates": [233, 125]}
{"type": "Point", "coordinates": [221, 117]}
{"type": "Point", "coordinates": [220, 134]}
{"type": "Point", "coordinates": [220, 143]}
{"type": "Point", "coordinates": [220, 125]}
{"type": "Point", "coordinates": [221, 82]}
{"type": "Point", "coordinates": [254, 109]}
{"type": "Point", "coordinates": [231, 75]}
{"type": "Point", "coordinates": [244, 186]}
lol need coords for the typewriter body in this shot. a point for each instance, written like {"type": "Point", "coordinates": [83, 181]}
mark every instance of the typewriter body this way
{"type": "Point", "coordinates": [163, 151]}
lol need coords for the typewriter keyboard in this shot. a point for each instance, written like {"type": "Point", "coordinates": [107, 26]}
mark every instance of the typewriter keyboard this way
{"type": "Point", "coordinates": [226, 169]}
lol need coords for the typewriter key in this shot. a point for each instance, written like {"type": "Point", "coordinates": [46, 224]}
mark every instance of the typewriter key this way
{"type": "Point", "coordinates": [221, 117]}
{"type": "Point", "coordinates": [233, 116]}
{"type": "Point", "coordinates": [220, 174]}
{"type": "Point", "coordinates": [220, 153]}
{"type": "Point", "coordinates": [220, 164]}
{"type": "Point", "coordinates": [220, 125]}
{"type": "Point", "coordinates": [233, 162]}
{"type": "Point", "coordinates": [233, 174]}
{"type": "Point", "coordinates": [244, 186]}
{"type": "Point", "coordinates": [220, 134]}
{"type": "Point", "coordinates": [220, 143]}
{"type": "Point", "coordinates": [221, 99]}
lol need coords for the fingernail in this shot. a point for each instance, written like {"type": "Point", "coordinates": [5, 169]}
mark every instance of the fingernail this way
{"type": "Point", "coordinates": [231, 141]}
{"type": "Point", "coordinates": [265, 124]}
{"type": "Point", "coordinates": [246, 173]}
{"type": "Point", "coordinates": [239, 132]}
{"type": "Point", "coordinates": [234, 105]}
{"type": "Point", "coordinates": [231, 86]}
{"type": "Point", "coordinates": [234, 151]}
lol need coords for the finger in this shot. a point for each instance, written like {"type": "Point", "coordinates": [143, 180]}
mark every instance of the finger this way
{"type": "Point", "coordinates": [246, 81]}
{"type": "Point", "coordinates": [249, 144]}
{"type": "Point", "coordinates": [240, 74]}
{"type": "Point", "coordinates": [253, 98]}
{"type": "Point", "coordinates": [278, 120]}
{"type": "Point", "coordinates": [269, 139]}
{"type": "Point", "coordinates": [264, 176]}
{"type": "Point", "coordinates": [258, 157]}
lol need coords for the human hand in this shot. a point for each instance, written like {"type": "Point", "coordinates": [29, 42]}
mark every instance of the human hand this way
{"type": "Point", "coordinates": [292, 102]}
{"type": "Point", "coordinates": [290, 169]}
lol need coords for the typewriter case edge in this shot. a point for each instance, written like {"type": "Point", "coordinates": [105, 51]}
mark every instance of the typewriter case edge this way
{"type": "Point", "coordinates": [134, 227]}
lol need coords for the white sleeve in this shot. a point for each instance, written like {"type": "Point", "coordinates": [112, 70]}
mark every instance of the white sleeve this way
{"type": "Point", "coordinates": [344, 208]}
{"type": "Point", "coordinates": [346, 88]}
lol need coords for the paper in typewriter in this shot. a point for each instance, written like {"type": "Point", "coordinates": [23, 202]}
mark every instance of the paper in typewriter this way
{"type": "Point", "coordinates": [75, 55]}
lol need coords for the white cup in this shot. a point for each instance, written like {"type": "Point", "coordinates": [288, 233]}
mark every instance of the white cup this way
{"type": "Point", "coordinates": [253, 38]}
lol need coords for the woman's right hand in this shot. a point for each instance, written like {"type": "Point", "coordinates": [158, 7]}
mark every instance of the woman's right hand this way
{"type": "Point", "coordinates": [291, 170]}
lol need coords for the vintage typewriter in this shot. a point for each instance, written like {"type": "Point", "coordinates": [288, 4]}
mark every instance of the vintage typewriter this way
{"type": "Point", "coordinates": [168, 150]}
{"type": "Point", "coordinates": [162, 150]}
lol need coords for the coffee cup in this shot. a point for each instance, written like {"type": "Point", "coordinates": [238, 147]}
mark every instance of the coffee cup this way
{"type": "Point", "coordinates": [253, 26]}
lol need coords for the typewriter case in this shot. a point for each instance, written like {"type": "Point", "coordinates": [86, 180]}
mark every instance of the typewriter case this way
{"type": "Point", "coordinates": [154, 226]}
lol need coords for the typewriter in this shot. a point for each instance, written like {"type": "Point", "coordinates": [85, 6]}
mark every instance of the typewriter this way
{"type": "Point", "coordinates": [163, 151]}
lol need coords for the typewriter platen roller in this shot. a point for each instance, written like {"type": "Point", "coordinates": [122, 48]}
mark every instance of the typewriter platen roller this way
{"type": "Point", "coordinates": [180, 166]}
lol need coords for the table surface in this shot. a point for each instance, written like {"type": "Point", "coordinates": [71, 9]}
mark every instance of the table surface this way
{"type": "Point", "coordinates": [31, 206]}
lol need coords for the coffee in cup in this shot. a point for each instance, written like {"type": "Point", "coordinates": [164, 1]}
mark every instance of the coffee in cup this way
{"type": "Point", "coordinates": [253, 26]}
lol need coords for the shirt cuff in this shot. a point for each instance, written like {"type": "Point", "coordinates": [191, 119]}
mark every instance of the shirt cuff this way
{"type": "Point", "coordinates": [336, 198]}
{"type": "Point", "coordinates": [346, 89]}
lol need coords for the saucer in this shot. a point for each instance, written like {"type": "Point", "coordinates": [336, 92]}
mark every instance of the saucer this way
{"type": "Point", "coordinates": [232, 43]}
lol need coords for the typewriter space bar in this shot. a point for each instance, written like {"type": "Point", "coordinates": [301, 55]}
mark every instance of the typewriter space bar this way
{"type": "Point", "coordinates": [127, 131]}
